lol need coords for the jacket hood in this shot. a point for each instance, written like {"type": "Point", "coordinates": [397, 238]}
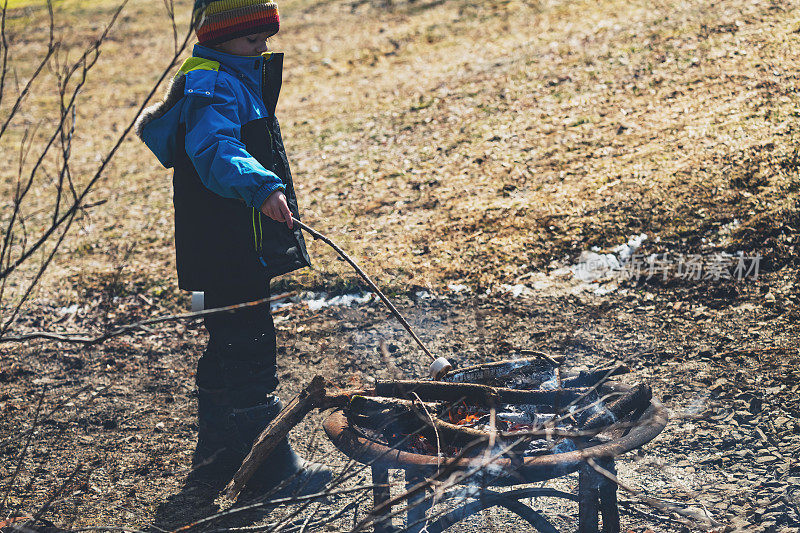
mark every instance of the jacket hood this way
{"type": "Point", "coordinates": [161, 140]}
{"type": "Point", "coordinates": [158, 124]}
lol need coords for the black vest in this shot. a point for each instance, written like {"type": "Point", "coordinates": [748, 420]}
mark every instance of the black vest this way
{"type": "Point", "coordinates": [218, 238]}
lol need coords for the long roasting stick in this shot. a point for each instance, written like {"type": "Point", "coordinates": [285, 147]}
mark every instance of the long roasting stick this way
{"type": "Point", "coordinates": [384, 299]}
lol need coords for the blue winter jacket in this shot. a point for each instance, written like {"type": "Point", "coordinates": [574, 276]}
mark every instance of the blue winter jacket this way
{"type": "Point", "coordinates": [217, 128]}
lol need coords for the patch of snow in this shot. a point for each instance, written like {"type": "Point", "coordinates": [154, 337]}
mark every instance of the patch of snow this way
{"type": "Point", "coordinates": [424, 295]}
{"type": "Point", "coordinates": [540, 281]}
{"type": "Point", "coordinates": [597, 271]}
{"type": "Point", "coordinates": [457, 287]}
{"type": "Point", "coordinates": [320, 300]}
{"type": "Point", "coordinates": [625, 251]}
{"type": "Point", "coordinates": [274, 306]}
{"type": "Point", "coordinates": [517, 290]}
{"type": "Point", "coordinates": [592, 266]}
{"type": "Point", "coordinates": [69, 309]}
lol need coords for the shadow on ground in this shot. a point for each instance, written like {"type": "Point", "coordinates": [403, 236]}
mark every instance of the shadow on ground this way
{"type": "Point", "coordinates": [194, 504]}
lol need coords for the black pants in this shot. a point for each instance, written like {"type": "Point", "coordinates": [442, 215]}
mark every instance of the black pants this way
{"type": "Point", "coordinates": [238, 368]}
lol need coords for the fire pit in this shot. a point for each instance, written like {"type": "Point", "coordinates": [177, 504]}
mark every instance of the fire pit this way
{"type": "Point", "coordinates": [537, 423]}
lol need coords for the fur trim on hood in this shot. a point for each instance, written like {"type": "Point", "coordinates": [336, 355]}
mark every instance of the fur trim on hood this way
{"type": "Point", "coordinates": [171, 96]}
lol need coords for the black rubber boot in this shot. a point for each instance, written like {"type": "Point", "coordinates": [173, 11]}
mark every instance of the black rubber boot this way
{"type": "Point", "coordinates": [225, 383]}
{"type": "Point", "coordinates": [283, 470]}
{"type": "Point", "coordinates": [226, 436]}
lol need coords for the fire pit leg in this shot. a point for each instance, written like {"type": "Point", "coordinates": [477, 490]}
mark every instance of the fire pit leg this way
{"type": "Point", "coordinates": [415, 518]}
{"type": "Point", "coordinates": [588, 499]}
{"type": "Point", "coordinates": [608, 499]}
{"type": "Point", "coordinates": [597, 495]}
{"type": "Point", "coordinates": [380, 495]}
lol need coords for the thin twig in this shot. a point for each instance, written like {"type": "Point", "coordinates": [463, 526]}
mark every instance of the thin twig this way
{"type": "Point", "coordinates": [39, 273]}
{"type": "Point", "coordinates": [24, 451]}
{"type": "Point", "coordinates": [686, 518]}
{"type": "Point", "coordinates": [57, 408]}
{"type": "Point", "coordinates": [170, 7]}
{"type": "Point", "coordinates": [46, 505]}
{"type": "Point", "coordinates": [120, 330]}
{"type": "Point", "coordinates": [317, 235]}
{"type": "Point", "coordinates": [273, 503]}
{"type": "Point", "coordinates": [308, 518]}
{"type": "Point", "coordinates": [86, 64]}
{"type": "Point", "coordinates": [51, 48]}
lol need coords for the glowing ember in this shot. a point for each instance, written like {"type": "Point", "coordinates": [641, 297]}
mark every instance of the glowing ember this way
{"type": "Point", "coordinates": [466, 415]}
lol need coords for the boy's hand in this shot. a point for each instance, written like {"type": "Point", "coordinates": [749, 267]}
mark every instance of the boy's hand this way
{"type": "Point", "coordinates": [275, 207]}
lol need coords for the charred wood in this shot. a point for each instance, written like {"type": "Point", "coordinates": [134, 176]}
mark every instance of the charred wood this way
{"type": "Point", "coordinates": [594, 377]}
{"type": "Point", "coordinates": [478, 394]}
{"type": "Point", "coordinates": [630, 401]}
{"type": "Point", "coordinates": [391, 416]}
{"type": "Point", "coordinates": [499, 372]}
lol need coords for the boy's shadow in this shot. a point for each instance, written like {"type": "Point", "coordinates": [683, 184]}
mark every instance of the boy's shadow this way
{"type": "Point", "coordinates": [195, 502]}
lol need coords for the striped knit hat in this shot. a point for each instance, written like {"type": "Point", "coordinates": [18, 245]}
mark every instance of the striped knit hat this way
{"type": "Point", "coordinates": [217, 21]}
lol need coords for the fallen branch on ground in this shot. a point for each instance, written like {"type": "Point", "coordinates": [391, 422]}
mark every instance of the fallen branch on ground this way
{"type": "Point", "coordinates": [121, 330]}
{"type": "Point", "coordinates": [314, 396]}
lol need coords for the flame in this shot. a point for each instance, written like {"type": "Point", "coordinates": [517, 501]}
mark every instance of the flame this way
{"type": "Point", "coordinates": [462, 415]}
{"type": "Point", "coordinates": [469, 419]}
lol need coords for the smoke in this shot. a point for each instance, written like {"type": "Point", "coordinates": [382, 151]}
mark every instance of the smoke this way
{"type": "Point", "coordinates": [698, 404]}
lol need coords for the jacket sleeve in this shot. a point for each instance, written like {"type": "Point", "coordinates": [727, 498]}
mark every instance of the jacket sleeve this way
{"type": "Point", "coordinates": [214, 145]}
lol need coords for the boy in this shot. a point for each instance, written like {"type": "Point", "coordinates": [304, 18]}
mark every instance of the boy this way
{"type": "Point", "coordinates": [234, 201]}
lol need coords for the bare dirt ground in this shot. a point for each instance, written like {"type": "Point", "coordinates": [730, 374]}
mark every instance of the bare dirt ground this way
{"type": "Point", "coordinates": [442, 142]}
{"type": "Point", "coordinates": [728, 374]}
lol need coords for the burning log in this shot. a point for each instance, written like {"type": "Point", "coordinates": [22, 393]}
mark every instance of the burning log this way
{"type": "Point", "coordinates": [437, 391]}
{"type": "Point", "coordinates": [500, 372]}
{"type": "Point", "coordinates": [379, 406]}
{"type": "Point", "coordinates": [458, 435]}
{"type": "Point", "coordinates": [553, 400]}
{"type": "Point", "coordinates": [392, 416]}
{"type": "Point", "coordinates": [397, 419]}
{"type": "Point", "coordinates": [631, 400]}
{"type": "Point", "coordinates": [478, 394]}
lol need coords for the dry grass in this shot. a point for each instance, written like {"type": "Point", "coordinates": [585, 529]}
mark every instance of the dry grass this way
{"type": "Point", "coordinates": [463, 141]}
{"type": "Point", "coordinates": [437, 141]}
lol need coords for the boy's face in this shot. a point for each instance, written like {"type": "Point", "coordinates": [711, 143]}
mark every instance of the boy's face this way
{"type": "Point", "coordinates": [249, 45]}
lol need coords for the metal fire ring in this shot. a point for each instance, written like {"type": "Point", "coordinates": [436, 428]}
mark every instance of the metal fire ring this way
{"type": "Point", "coordinates": [532, 469]}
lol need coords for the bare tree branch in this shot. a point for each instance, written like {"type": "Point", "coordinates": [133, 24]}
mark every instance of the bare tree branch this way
{"type": "Point", "coordinates": [274, 503]}
{"type": "Point", "coordinates": [170, 7]}
{"type": "Point", "coordinates": [67, 216]}
{"type": "Point", "coordinates": [4, 44]}
{"type": "Point", "coordinates": [56, 493]}
{"type": "Point", "coordinates": [36, 278]}
{"type": "Point", "coordinates": [51, 48]}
